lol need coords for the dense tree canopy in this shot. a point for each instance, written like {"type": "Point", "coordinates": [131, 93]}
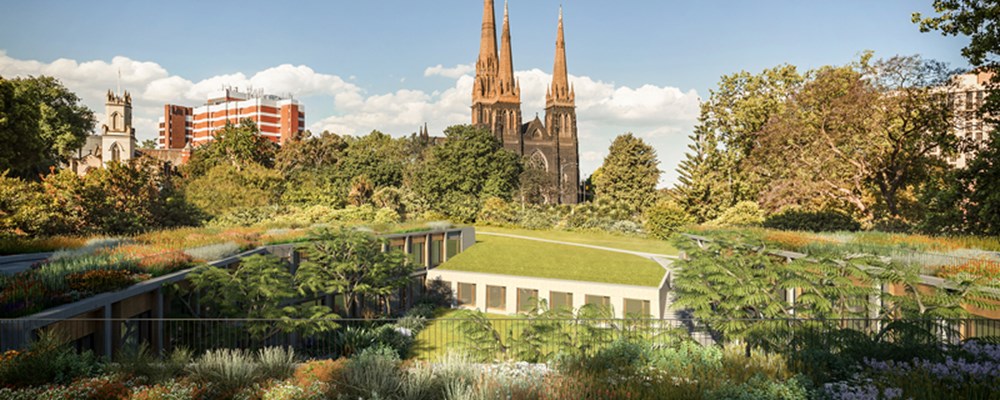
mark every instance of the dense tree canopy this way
{"type": "Point", "coordinates": [468, 167]}
{"type": "Point", "coordinates": [629, 174]}
{"type": "Point", "coordinates": [41, 123]}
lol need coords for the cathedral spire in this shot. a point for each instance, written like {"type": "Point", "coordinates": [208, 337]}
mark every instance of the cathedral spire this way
{"type": "Point", "coordinates": [488, 41]}
{"type": "Point", "coordinates": [508, 87]}
{"type": "Point", "coordinates": [560, 90]}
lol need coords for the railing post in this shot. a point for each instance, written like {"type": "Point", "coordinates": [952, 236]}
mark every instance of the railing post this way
{"type": "Point", "coordinates": [107, 331]}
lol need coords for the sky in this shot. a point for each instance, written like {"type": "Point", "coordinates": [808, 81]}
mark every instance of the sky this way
{"type": "Point", "coordinates": [393, 65]}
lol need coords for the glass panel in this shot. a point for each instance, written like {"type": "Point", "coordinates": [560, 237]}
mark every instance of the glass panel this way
{"type": "Point", "coordinates": [560, 300]}
{"type": "Point", "coordinates": [453, 247]}
{"type": "Point", "coordinates": [602, 301]}
{"type": "Point", "coordinates": [417, 253]}
{"type": "Point", "coordinates": [435, 252]}
{"type": "Point", "coordinates": [526, 299]}
{"type": "Point", "coordinates": [467, 293]}
{"type": "Point", "coordinates": [496, 297]}
{"type": "Point", "coordinates": [636, 308]}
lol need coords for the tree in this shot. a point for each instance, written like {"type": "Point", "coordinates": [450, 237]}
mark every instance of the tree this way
{"type": "Point", "coordinates": [978, 21]}
{"type": "Point", "coordinates": [238, 146]}
{"type": "Point", "coordinates": [714, 174]}
{"type": "Point", "coordinates": [225, 187]}
{"type": "Point", "coordinates": [700, 188]}
{"type": "Point", "coordinates": [148, 144]}
{"type": "Point", "coordinates": [967, 201]}
{"type": "Point", "coordinates": [469, 166]}
{"type": "Point", "coordinates": [857, 136]}
{"type": "Point", "coordinates": [310, 154]}
{"type": "Point", "coordinates": [260, 287]}
{"type": "Point", "coordinates": [376, 155]}
{"type": "Point", "coordinates": [630, 173]}
{"type": "Point", "coordinates": [353, 264]}
{"type": "Point", "coordinates": [533, 184]}
{"type": "Point", "coordinates": [41, 124]}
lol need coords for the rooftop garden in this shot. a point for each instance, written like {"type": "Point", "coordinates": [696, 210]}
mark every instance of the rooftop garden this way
{"type": "Point", "coordinates": [934, 255]}
{"type": "Point", "coordinates": [595, 238]}
{"type": "Point", "coordinates": [522, 257]}
{"type": "Point", "coordinates": [84, 268]}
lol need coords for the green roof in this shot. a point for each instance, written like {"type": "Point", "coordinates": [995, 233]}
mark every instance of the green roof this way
{"type": "Point", "coordinates": [523, 257]}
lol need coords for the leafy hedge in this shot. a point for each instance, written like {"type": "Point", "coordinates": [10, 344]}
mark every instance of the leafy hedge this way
{"type": "Point", "coordinates": [814, 221]}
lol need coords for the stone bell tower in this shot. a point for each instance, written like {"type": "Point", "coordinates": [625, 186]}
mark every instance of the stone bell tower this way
{"type": "Point", "coordinates": [117, 134]}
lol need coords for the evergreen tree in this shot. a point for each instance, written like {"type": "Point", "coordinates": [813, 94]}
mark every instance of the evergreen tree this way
{"type": "Point", "coordinates": [629, 174]}
{"type": "Point", "coordinates": [701, 190]}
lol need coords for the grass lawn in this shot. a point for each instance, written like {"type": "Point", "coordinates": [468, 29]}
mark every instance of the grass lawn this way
{"type": "Point", "coordinates": [443, 334]}
{"type": "Point", "coordinates": [592, 238]}
{"type": "Point", "coordinates": [522, 257]}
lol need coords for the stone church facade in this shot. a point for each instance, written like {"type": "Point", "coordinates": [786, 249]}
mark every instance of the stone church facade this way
{"type": "Point", "coordinates": [550, 144]}
{"type": "Point", "coordinates": [116, 141]}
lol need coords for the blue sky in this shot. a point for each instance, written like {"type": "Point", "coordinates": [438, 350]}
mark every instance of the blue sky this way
{"type": "Point", "coordinates": [639, 66]}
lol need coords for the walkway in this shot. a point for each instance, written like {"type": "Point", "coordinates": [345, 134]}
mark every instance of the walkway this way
{"type": "Point", "coordinates": [10, 265]}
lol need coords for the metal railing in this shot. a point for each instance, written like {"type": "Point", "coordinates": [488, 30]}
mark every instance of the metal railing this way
{"type": "Point", "coordinates": [502, 337]}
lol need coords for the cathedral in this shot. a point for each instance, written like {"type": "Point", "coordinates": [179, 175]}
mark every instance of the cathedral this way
{"type": "Point", "coordinates": [550, 145]}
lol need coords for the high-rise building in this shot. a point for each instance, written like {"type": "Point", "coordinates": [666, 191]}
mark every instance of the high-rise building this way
{"type": "Point", "coordinates": [279, 119]}
{"type": "Point", "coordinates": [551, 145]}
{"type": "Point", "coordinates": [966, 94]}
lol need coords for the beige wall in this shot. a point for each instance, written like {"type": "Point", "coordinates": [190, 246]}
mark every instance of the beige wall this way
{"type": "Point", "coordinates": [658, 297]}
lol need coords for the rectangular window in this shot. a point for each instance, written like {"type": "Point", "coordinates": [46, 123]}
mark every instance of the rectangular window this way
{"type": "Point", "coordinates": [496, 297]}
{"type": "Point", "coordinates": [600, 301]}
{"type": "Point", "coordinates": [637, 308]}
{"type": "Point", "coordinates": [560, 300]}
{"type": "Point", "coordinates": [435, 252]}
{"type": "Point", "coordinates": [454, 245]}
{"type": "Point", "coordinates": [467, 293]}
{"type": "Point", "coordinates": [526, 299]}
{"type": "Point", "coordinates": [417, 253]}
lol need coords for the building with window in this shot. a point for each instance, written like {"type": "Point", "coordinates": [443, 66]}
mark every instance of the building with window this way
{"type": "Point", "coordinates": [278, 118]}
{"type": "Point", "coordinates": [966, 95]}
{"type": "Point", "coordinates": [116, 141]}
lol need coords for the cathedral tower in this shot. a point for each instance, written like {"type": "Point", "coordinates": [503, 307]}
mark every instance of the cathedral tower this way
{"type": "Point", "coordinates": [560, 117]}
{"type": "Point", "coordinates": [496, 97]}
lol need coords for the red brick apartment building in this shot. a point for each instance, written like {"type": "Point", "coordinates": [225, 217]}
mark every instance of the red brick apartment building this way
{"type": "Point", "coordinates": [278, 118]}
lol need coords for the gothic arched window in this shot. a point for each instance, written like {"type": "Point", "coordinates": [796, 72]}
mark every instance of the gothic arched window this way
{"type": "Point", "coordinates": [116, 152]}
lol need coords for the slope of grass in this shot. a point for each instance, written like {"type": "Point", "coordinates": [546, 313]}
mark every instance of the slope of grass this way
{"type": "Point", "coordinates": [592, 238]}
{"type": "Point", "coordinates": [522, 257]}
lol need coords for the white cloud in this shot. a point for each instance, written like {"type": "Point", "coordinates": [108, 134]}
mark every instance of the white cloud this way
{"type": "Point", "coordinates": [661, 115]}
{"type": "Point", "coordinates": [453, 72]}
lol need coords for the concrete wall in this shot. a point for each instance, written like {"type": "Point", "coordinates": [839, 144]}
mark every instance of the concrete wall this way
{"type": "Point", "coordinates": [659, 300]}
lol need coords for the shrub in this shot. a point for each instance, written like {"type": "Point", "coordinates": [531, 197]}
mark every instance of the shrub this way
{"type": "Point", "coordinates": [496, 211]}
{"type": "Point", "coordinates": [413, 323]}
{"type": "Point", "coordinates": [213, 252]}
{"type": "Point", "coordinates": [744, 213]}
{"type": "Point", "coordinates": [53, 274]}
{"type": "Point", "coordinates": [290, 391]}
{"type": "Point", "coordinates": [99, 281]}
{"type": "Point", "coordinates": [815, 221]}
{"type": "Point", "coordinates": [664, 218]}
{"type": "Point", "coordinates": [141, 363]}
{"type": "Point", "coordinates": [47, 361]}
{"type": "Point", "coordinates": [225, 371]}
{"type": "Point", "coordinates": [760, 387]}
{"type": "Point", "coordinates": [374, 373]}
{"type": "Point", "coordinates": [386, 216]}
{"type": "Point", "coordinates": [326, 371]}
{"type": "Point", "coordinates": [170, 390]}
{"type": "Point", "coordinates": [276, 362]}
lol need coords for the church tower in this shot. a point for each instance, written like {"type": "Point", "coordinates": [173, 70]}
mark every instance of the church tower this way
{"type": "Point", "coordinates": [118, 136]}
{"type": "Point", "coordinates": [560, 118]}
{"type": "Point", "coordinates": [496, 94]}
